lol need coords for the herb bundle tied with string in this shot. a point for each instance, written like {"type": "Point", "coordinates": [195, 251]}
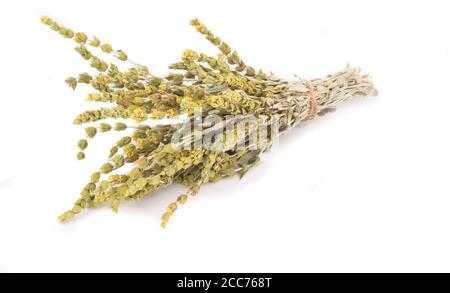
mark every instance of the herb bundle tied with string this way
{"type": "Point", "coordinates": [223, 114]}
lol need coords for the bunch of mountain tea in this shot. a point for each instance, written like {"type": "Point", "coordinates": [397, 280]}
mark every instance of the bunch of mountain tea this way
{"type": "Point", "coordinates": [223, 115]}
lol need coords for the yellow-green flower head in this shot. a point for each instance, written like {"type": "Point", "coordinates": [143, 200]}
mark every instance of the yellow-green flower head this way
{"type": "Point", "coordinates": [94, 42]}
{"type": "Point", "coordinates": [120, 126]}
{"type": "Point", "coordinates": [190, 54]}
{"type": "Point", "coordinates": [106, 48]}
{"type": "Point", "coordinates": [124, 141]}
{"type": "Point", "coordinates": [106, 168]}
{"type": "Point", "coordinates": [95, 177]}
{"type": "Point", "coordinates": [81, 156]}
{"type": "Point", "coordinates": [113, 151]}
{"type": "Point", "coordinates": [140, 114]}
{"type": "Point", "coordinates": [121, 55]}
{"type": "Point", "coordinates": [182, 199]}
{"type": "Point", "coordinates": [72, 82]}
{"type": "Point", "coordinates": [80, 38]}
{"type": "Point", "coordinates": [91, 131]}
{"type": "Point", "coordinates": [46, 20]}
{"type": "Point", "coordinates": [104, 127]}
{"type": "Point", "coordinates": [82, 144]}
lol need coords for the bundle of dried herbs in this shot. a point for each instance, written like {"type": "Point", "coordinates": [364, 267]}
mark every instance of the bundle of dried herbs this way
{"type": "Point", "coordinates": [224, 115]}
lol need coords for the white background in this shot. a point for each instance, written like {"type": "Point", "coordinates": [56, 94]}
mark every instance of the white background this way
{"type": "Point", "coordinates": [364, 189]}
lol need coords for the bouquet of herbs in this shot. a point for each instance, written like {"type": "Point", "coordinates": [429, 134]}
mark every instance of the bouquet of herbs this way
{"type": "Point", "coordinates": [223, 115]}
